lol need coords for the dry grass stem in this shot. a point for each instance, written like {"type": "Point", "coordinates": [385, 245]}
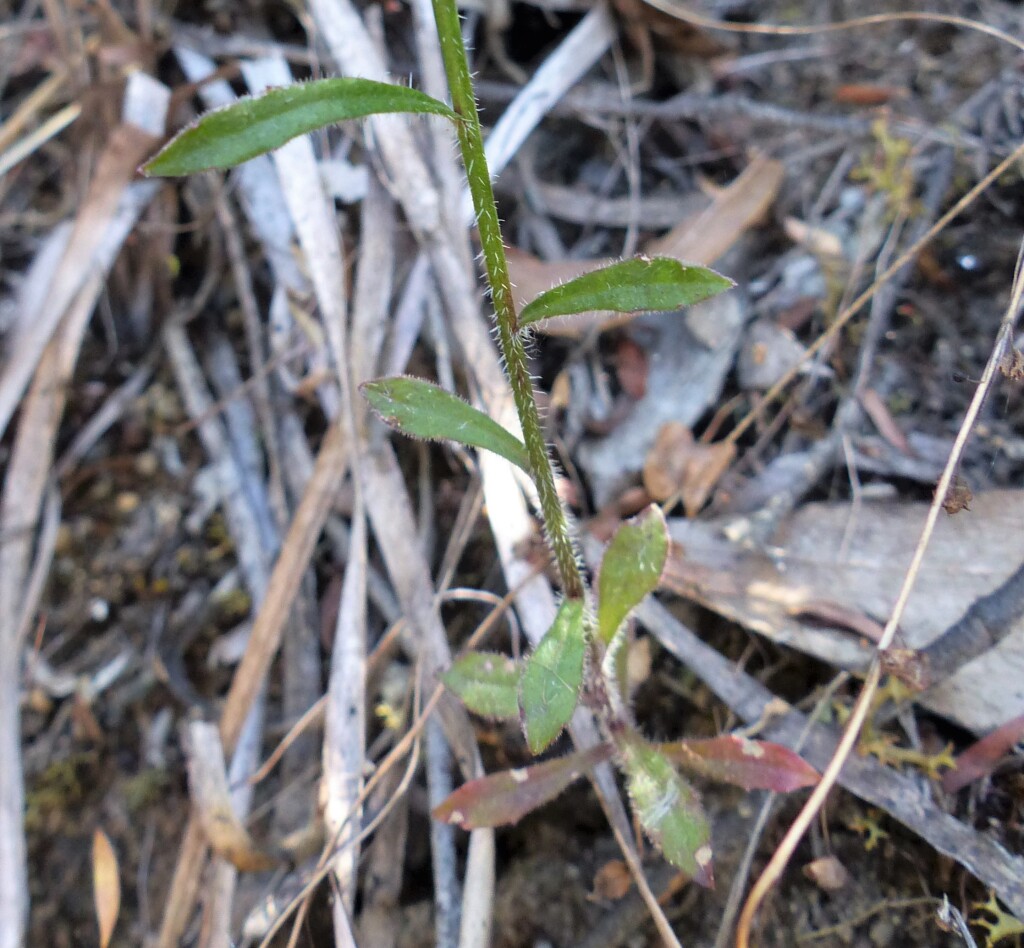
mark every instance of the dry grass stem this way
{"type": "Point", "coordinates": [776, 866]}
{"type": "Point", "coordinates": [207, 541]}
{"type": "Point", "coordinates": [681, 11]}
{"type": "Point", "coordinates": [47, 360]}
{"type": "Point", "coordinates": [843, 317]}
{"type": "Point", "coordinates": [898, 794]}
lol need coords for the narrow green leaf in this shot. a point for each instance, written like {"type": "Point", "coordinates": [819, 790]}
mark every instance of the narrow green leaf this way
{"type": "Point", "coordinates": [423, 410]}
{"type": "Point", "coordinates": [487, 683]}
{"type": "Point", "coordinates": [228, 136]}
{"type": "Point", "coordinates": [669, 810]}
{"type": "Point", "coordinates": [506, 797]}
{"type": "Point", "coordinates": [630, 569]}
{"type": "Point", "coordinates": [551, 681]}
{"type": "Point", "coordinates": [632, 286]}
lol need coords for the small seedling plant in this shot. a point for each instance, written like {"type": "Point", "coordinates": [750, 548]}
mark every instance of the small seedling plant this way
{"type": "Point", "coordinates": [582, 657]}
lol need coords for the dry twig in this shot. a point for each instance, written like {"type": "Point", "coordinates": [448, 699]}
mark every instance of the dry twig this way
{"type": "Point", "coordinates": [781, 857]}
{"type": "Point", "coordinates": [46, 358]}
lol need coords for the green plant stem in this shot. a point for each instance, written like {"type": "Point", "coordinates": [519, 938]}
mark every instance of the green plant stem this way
{"type": "Point", "coordinates": [471, 143]}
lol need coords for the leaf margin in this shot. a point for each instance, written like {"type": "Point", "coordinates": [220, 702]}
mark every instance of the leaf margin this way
{"type": "Point", "coordinates": [607, 289]}
{"type": "Point", "coordinates": [468, 691]}
{"type": "Point", "coordinates": [237, 127]}
{"type": "Point", "coordinates": [564, 645]}
{"type": "Point", "coordinates": [498, 440]}
{"type": "Point", "coordinates": [454, 809]}
{"type": "Point", "coordinates": [651, 518]}
{"type": "Point", "coordinates": [712, 757]}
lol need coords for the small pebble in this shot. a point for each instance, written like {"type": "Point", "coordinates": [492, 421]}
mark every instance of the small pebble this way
{"type": "Point", "coordinates": [147, 463]}
{"type": "Point", "coordinates": [127, 502]}
{"type": "Point", "coordinates": [99, 610]}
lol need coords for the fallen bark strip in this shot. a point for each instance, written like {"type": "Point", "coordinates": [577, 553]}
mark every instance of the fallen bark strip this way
{"type": "Point", "coordinates": [983, 626]}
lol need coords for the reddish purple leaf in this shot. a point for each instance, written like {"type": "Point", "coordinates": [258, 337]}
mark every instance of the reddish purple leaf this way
{"type": "Point", "coordinates": [981, 758]}
{"type": "Point", "coordinates": [753, 765]}
{"type": "Point", "coordinates": [507, 797]}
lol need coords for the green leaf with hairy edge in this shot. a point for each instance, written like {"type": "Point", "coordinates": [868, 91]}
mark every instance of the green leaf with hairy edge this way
{"type": "Point", "coordinates": [669, 810]}
{"type": "Point", "coordinates": [506, 797]}
{"type": "Point", "coordinates": [228, 136]}
{"type": "Point", "coordinates": [753, 765]}
{"type": "Point", "coordinates": [421, 409]}
{"type": "Point", "coordinates": [487, 683]}
{"type": "Point", "coordinates": [551, 682]}
{"type": "Point", "coordinates": [632, 286]}
{"type": "Point", "coordinates": [630, 569]}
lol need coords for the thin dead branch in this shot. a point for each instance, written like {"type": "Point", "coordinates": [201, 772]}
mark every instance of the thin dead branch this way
{"type": "Point", "coordinates": [851, 732]}
{"type": "Point", "coordinates": [46, 359]}
{"type": "Point", "coordinates": [264, 640]}
{"type": "Point", "coordinates": [906, 798]}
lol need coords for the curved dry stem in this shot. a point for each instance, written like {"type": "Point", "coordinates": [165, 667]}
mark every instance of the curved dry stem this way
{"type": "Point", "coordinates": [734, 902]}
{"type": "Point", "coordinates": [681, 12]}
{"type": "Point", "coordinates": [777, 864]}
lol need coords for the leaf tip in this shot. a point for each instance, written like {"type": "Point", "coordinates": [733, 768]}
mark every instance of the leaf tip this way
{"type": "Point", "coordinates": [538, 743]}
{"type": "Point", "coordinates": [807, 776]}
{"type": "Point", "coordinates": [705, 873]}
{"type": "Point", "coordinates": [151, 168]}
{"type": "Point", "coordinates": [446, 814]}
{"type": "Point", "coordinates": [540, 728]}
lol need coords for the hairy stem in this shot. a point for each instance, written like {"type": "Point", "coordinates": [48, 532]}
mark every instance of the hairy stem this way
{"type": "Point", "coordinates": [471, 143]}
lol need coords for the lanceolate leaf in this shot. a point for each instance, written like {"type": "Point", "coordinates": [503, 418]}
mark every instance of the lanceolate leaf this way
{"type": "Point", "coordinates": [226, 137]}
{"type": "Point", "coordinates": [753, 765]}
{"type": "Point", "coordinates": [487, 683]}
{"type": "Point", "coordinates": [551, 681]}
{"type": "Point", "coordinates": [423, 410]}
{"type": "Point", "coordinates": [981, 758]}
{"type": "Point", "coordinates": [669, 811]}
{"type": "Point", "coordinates": [106, 886]}
{"type": "Point", "coordinates": [631, 286]}
{"type": "Point", "coordinates": [630, 569]}
{"type": "Point", "coordinates": [507, 797]}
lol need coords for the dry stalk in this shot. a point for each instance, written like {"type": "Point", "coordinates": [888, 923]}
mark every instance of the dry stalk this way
{"type": "Point", "coordinates": [27, 110]}
{"type": "Point", "coordinates": [683, 12]}
{"type": "Point", "coordinates": [734, 902]}
{"type": "Point", "coordinates": [777, 864]}
{"type": "Point", "coordinates": [83, 257]}
{"type": "Point", "coordinates": [110, 210]}
{"type": "Point", "coordinates": [282, 588]}
{"type": "Point", "coordinates": [231, 447]}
